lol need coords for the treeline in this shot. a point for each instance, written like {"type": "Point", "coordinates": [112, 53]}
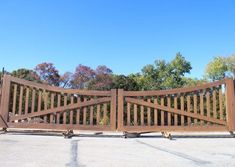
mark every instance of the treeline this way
{"type": "Point", "coordinates": [157, 76]}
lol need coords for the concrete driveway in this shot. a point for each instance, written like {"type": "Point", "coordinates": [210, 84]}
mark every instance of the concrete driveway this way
{"type": "Point", "coordinates": [114, 151]}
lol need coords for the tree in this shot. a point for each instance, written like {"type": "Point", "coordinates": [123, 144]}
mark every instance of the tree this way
{"type": "Point", "coordinates": [103, 79]}
{"type": "Point", "coordinates": [125, 82]}
{"type": "Point", "coordinates": [48, 73]}
{"type": "Point", "coordinates": [26, 74]}
{"type": "Point", "coordinates": [65, 80]}
{"type": "Point", "coordinates": [230, 61]}
{"type": "Point", "coordinates": [82, 76]}
{"type": "Point", "coordinates": [163, 75]}
{"type": "Point", "coordinates": [216, 69]}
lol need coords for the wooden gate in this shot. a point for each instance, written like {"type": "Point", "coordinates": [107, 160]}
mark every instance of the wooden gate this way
{"type": "Point", "coordinates": [26, 104]}
{"type": "Point", "coordinates": [208, 107]}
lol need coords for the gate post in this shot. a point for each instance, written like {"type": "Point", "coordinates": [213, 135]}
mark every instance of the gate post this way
{"type": "Point", "coordinates": [120, 109]}
{"type": "Point", "coordinates": [5, 96]}
{"type": "Point", "coordinates": [113, 109]}
{"type": "Point", "coordinates": [230, 104]}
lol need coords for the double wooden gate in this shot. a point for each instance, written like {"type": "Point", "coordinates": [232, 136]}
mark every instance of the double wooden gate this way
{"type": "Point", "coordinates": [208, 107]}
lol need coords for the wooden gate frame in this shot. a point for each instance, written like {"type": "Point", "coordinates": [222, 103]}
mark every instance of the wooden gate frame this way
{"type": "Point", "coordinates": [102, 98]}
{"type": "Point", "coordinates": [117, 122]}
{"type": "Point", "coordinates": [132, 97]}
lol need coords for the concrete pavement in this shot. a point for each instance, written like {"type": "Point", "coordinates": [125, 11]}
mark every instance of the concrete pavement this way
{"type": "Point", "coordinates": [152, 150]}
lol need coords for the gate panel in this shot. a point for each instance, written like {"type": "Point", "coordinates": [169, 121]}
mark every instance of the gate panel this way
{"type": "Point", "coordinates": [34, 105]}
{"type": "Point", "coordinates": [209, 107]}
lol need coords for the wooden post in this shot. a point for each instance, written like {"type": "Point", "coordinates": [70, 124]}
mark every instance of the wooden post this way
{"type": "Point", "coordinates": [5, 97]}
{"type": "Point", "coordinates": [230, 104]}
{"type": "Point", "coordinates": [113, 109]}
{"type": "Point", "coordinates": [120, 109]}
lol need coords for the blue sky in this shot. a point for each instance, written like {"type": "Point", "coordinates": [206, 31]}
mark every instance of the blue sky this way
{"type": "Point", "coordinates": [125, 35]}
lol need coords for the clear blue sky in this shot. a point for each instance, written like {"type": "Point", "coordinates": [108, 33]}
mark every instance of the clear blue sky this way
{"type": "Point", "coordinates": [125, 35]}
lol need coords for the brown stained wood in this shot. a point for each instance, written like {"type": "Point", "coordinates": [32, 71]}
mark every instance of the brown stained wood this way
{"type": "Point", "coordinates": [21, 100]}
{"type": "Point", "coordinates": [142, 115]}
{"type": "Point", "coordinates": [149, 113]}
{"type": "Point", "coordinates": [65, 113]}
{"type": "Point", "coordinates": [162, 112]}
{"type": "Point", "coordinates": [63, 108]}
{"type": "Point", "coordinates": [128, 114]}
{"type": "Point", "coordinates": [91, 115]}
{"type": "Point", "coordinates": [208, 104]}
{"type": "Point", "coordinates": [120, 109]}
{"type": "Point", "coordinates": [39, 100]}
{"type": "Point", "coordinates": [33, 101]}
{"type": "Point", "coordinates": [113, 109]}
{"type": "Point", "coordinates": [84, 112]}
{"type": "Point", "coordinates": [175, 115]}
{"type": "Point", "coordinates": [71, 111]}
{"type": "Point", "coordinates": [26, 101]}
{"type": "Point", "coordinates": [14, 99]}
{"type": "Point", "coordinates": [52, 106]}
{"type": "Point", "coordinates": [221, 104]}
{"type": "Point", "coordinates": [230, 104]}
{"type": "Point", "coordinates": [173, 91]}
{"type": "Point", "coordinates": [58, 105]}
{"type": "Point", "coordinates": [98, 115]}
{"type": "Point", "coordinates": [155, 112]}
{"type": "Point", "coordinates": [168, 114]}
{"type": "Point", "coordinates": [201, 104]}
{"type": "Point", "coordinates": [105, 117]}
{"type": "Point", "coordinates": [78, 112]}
{"type": "Point", "coordinates": [214, 103]}
{"type": "Point", "coordinates": [135, 115]}
{"type": "Point", "coordinates": [188, 108]}
{"type": "Point", "coordinates": [45, 95]}
{"type": "Point", "coordinates": [195, 106]}
{"type": "Point", "coordinates": [59, 89]}
{"type": "Point", "coordinates": [182, 109]}
{"type": "Point", "coordinates": [175, 111]}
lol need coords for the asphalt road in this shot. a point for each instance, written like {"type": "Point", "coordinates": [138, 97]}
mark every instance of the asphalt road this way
{"type": "Point", "coordinates": [114, 151]}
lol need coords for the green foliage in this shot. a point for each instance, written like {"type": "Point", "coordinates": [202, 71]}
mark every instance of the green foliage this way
{"type": "Point", "coordinates": [230, 61]}
{"type": "Point", "coordinates": [216, 69]}
{"type": "Point", "coordinates": [26, 74]}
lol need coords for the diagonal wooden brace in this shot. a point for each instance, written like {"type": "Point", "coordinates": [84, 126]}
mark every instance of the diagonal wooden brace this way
{"type": "Point", "coordinates": [175, 111]}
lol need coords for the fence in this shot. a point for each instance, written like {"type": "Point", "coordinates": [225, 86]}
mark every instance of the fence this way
{"type": "Point", "coordinates": [209, 107]}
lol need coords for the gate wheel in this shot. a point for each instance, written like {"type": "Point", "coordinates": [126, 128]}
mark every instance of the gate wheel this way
{"type": "Point", "coordinates": [167, 135]}
{"type": "Point", "coordinates": [68, 134]}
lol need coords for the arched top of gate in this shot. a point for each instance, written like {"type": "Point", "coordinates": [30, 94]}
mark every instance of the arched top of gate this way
{"type": "Point", "coordinates": [56, 89]}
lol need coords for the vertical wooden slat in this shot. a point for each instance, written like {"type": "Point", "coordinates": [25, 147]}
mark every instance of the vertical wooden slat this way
{"type": "Point", "coordinates": [14, 99]}
{"type": "Point", "coordinates": [105, 114]}
{"type": "Point", "coordinates": [175, 115]}
{"type": "Point", "coordinates": [201, 105]}
{"type": "Point", "coordinates": [45, 94]}
{"type": "Point", "coordinates": [33, 101]}
{"type": "Point", "coordinates": [113, 104]}
{"type": "Point", "coordinates": [98, 115]}
{"type": "Point", "coordinates": [26, 101]}
{"type": "Point", "coordinates": [78, 112]}
{"type": "Point", "coordinates": [128, 114]}
{"type": "Point", "coordinates": [21, 99]}
{"type": "Point", "coordinates": [58, 105]}
{"type": "Point", "coordinates": [189, 108]}
{"type": "Point", "coordinates": [214, 103]}
{"type": "Point", "coordinates": [71, 111]}
{"type": "Point", "coordinates": [84, 112]}
{"type": "Point", "coordinates": [155, 112]}
{"type": "Point", "coordinates": [208, 104]}
{"type": "Point", "coordinates": [182, 109]}
{"type": "Point", "coordinates": [162, 112]}
{"type": "Point", "coordinates": [91, 115]}
{"type": "Point", "coordinates": [120, 109]}
{"type": "Point", "coordinates": [168, 113]}
{"type": "Point", "coordinates": [39, 100]}
{"type": "Point", "coordinates": [149, 113]}
{"type": "Point", "coordinates": [221, 104]}
{"type": "Point", "coordinates": [142, 115]}
{"type": "Point", "coordinates": [52, 106]}
{"type": "Point", "coordinates": [230, 104]}
{"type": "Point", "coordinates": [135, 115]}
{"type": "Point", "coordinates": [65, 112]}
{"type": "Point", "coordinates": [195, 106]}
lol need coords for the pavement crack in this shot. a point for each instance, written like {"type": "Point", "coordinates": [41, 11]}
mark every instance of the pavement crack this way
{"type": "Point", "coordinates": [176, 153]}
{"type": "Point", "coordinates": [73, 154]}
